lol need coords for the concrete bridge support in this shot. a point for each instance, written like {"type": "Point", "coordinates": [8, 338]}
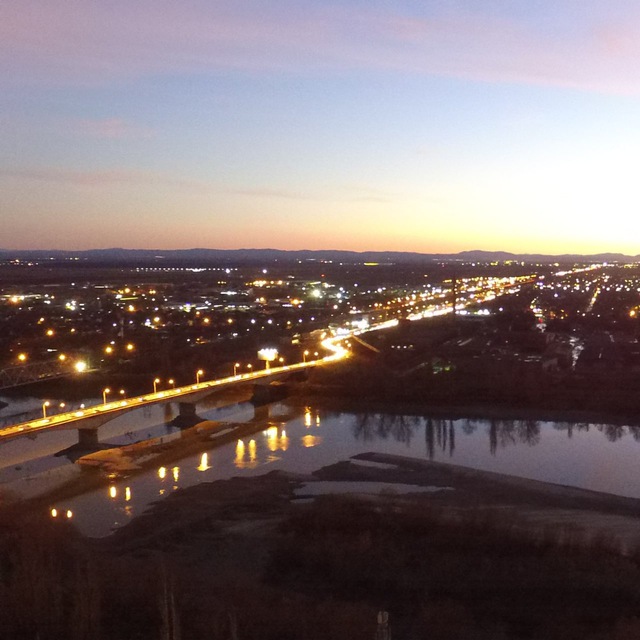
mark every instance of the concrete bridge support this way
{"type": "Point", "coordinates": [187, 409]}
{"type": "Point", "coordinates": [88, 438]}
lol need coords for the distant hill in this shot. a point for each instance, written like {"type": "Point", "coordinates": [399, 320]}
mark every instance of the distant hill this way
{"type": "Point", "coordinates": [235, 256]}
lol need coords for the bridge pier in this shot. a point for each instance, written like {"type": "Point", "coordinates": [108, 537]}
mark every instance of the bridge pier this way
{"type": "Point", "coordinates": [261, 413]}
{"type": "Point", "coordinates": [187, 416]}
{"type": "Point", "coordinates": [187, 409]}
{"type": "Point", "coordinates": [88, 438]}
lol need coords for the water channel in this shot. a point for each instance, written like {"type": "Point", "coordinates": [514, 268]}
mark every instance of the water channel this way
{"type": "Point", "coordinates": [600, 457]}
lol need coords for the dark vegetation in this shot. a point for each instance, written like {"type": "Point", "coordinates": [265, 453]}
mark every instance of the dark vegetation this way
{"type": "Point", "coordinates": [503, 363]}
{"type": "Point", "coordinates": [471, 576]}
{"type": "Point", "coordinates": [322, 574]}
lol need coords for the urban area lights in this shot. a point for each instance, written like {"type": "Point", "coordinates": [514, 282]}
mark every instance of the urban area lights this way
{"type": "Point", "coordinates": [45, 404]}
{"type": "Point", "coordinates": [105, 393]}
{"type": "Point", "coordinates": [156, 382]}
{"type": "Point", "coordinates": [199, 373]}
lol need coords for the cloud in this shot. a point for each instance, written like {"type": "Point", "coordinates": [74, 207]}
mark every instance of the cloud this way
{"type": "Point", "coordinates": [344, 193]}
{"type": "Point", "coordinates": [267, 192]}
{"type": "Point", "coordinates": [104, 178]}
{"type": "Point", "coordinates": [112, 128]}
{"type": "Point", "coordinates": [588, 45]}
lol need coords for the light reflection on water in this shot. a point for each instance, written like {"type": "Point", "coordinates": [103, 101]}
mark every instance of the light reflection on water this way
{"type": "Point", "coordinates": [598, 457]}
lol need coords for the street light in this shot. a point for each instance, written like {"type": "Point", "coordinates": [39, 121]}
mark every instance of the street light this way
{"type": "Point", "coordinates": [45, 404]}
{"type": "Point", "coordinates": [104, 395]}
{"type": "Point", "coordinates": [235, 369]}
{"type": "Point", "coordinates": [199, 372]}
{"type": "Point", "coordinates": [80, 366]}
{"type": "Point", "coordinates": [121, 392]}
{"type": "Point", "coordinates": [304, 356]}
{"type": "Point", "coordinates": [172, 382]}
{"type": "Point", "coordinates": [155, 385]}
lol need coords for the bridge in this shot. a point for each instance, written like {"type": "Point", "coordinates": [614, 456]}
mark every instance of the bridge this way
{"type": "Point", "coordinates": [33, 372]}
{"type": "Point", "coordinates": [86, 421]}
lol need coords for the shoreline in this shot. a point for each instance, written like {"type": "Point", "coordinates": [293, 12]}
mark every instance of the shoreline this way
{"type": "Point", "coordinates": [458, 412]}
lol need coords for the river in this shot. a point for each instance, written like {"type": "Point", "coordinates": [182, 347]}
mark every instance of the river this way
{"type": "Point", "coordinates": [600, 457]}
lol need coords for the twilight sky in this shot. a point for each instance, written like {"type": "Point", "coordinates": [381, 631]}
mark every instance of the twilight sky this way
{"type": "Point", "coordinates": [418, 125]}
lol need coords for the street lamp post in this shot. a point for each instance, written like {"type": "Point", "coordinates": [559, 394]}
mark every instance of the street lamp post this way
{"type": "Point", "coordinates": [235, 369]}
{"type": "Point", "coordinates": [172, 382]}
{"type": "Point", "coordinates": [45, 404]}
{"type": "Point", "coordinates": [155, 385]}
{"type": "Point", "coordinates": [304, 355]}
{"type": "Point", "coordinates": [104, 395]}
{"type": "Point", "coordinates": [199, 372]}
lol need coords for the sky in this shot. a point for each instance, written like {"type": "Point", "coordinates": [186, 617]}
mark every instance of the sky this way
{"type": "Point", "coordinates": [412, 125]}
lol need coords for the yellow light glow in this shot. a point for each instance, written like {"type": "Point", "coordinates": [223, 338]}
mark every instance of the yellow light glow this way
{"type": "Point", "coordinates": [113, 492]}
{"type": "Point", "coordinates": [127, 494]}
{"type": "Point", "coordinates": [80, 366]}
{"type": "Point", "coordinates": [239, 460]}
{"type": "Point", "coordinates": [162, 473]}
{"type": "Point", "coordinates": [204, 462]}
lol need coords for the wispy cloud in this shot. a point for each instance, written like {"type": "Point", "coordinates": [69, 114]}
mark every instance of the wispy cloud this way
{"type": "Point", "coordinates": [84, 41]}
{"type": "Point", "coordinates": [343, 193]}
{"type": "Point", "coordinates": [267, 192]}
{"type": "Point", "coordinates": [112, 128]}
{"type": "Point", "coordinates": [104, 178]}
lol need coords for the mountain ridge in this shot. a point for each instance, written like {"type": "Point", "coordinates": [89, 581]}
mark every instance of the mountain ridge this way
{"type": "Point", "coordinates": [118, 254]}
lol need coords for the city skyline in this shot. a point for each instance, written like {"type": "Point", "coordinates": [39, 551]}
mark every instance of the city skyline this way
{"type": "Point", "coordinates": [433, 127]}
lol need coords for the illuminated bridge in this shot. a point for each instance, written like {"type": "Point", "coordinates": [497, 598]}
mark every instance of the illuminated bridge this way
{"type": "Point", "coordinates": [86, 421]}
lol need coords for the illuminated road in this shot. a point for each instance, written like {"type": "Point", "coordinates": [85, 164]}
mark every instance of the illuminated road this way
{"type": "Point", "coordinates": [428, 306]}
{"type": "Point", "coordinates": [76, 418]}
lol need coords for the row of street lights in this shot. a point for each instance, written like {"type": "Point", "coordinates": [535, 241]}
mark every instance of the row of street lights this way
{"type": "Point", "coordinates": [199, 373]}
{"type": "Point", "coordinates": [107, 391]}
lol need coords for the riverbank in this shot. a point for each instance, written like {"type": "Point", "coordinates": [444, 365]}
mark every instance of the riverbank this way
{"type": "Point", "coordinates": [457, 412]}
{"type": "Point", "coordinates": [536, 555]}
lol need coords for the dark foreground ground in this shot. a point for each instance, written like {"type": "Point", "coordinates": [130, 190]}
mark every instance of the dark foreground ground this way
{"type": "Point", "coordinates": [486, 556]}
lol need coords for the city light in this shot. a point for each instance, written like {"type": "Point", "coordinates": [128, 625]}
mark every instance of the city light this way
{"type": "Point", "coordinates": [105, 392]}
